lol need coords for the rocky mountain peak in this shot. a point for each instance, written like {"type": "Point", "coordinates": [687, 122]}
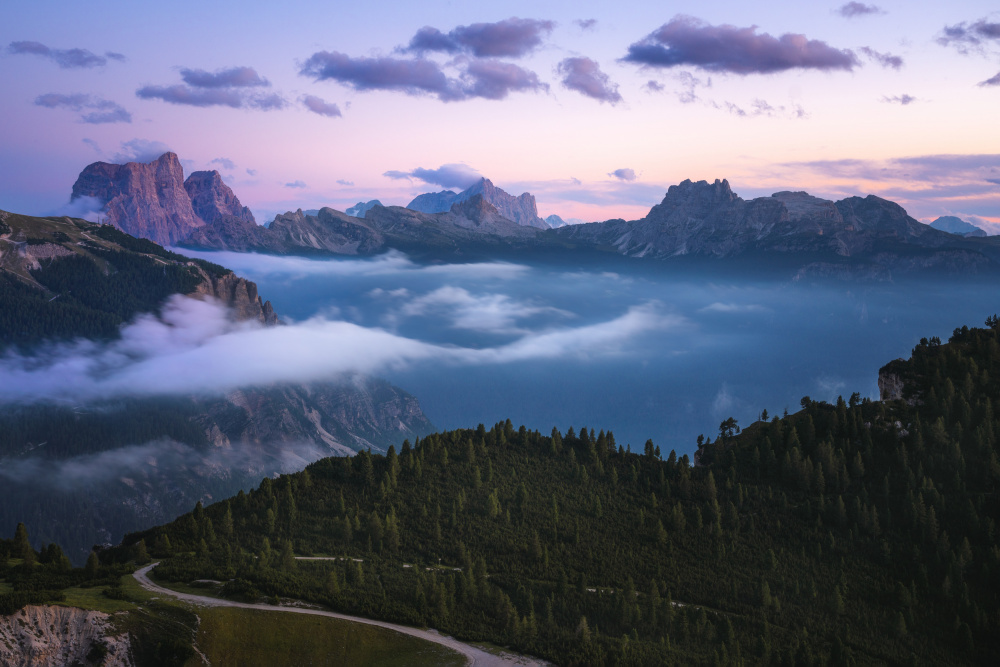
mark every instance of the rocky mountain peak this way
{"type": "Point", "coordinates": [152, 200]}
{"type": "Point", "coordinates": [475, 208]}
{"type": "Point", "coordinates": [521, 209]}
{"type": "Point", "coordinates": [144, 199]}
{"type": "Point", "coordinates": [213, 199]}
{"type": "Point", "coordinates": [803, 206]}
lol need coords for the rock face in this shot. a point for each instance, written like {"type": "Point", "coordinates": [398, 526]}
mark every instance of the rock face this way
{"type": "Point", "coordinates": [953, 225]}
{"type": "Point", "coordinates": [470, 222]}
{"type": "Point", "coordinates": [153, 200]}
{"type": "Point", "coordinates": [50, 636]}
{"type": "Point", "coordinates": [869, 234]}
{"type": "Point", "coordinates": [521, 209]}
{"type": "Point", "coordinates": [239, 295]}
{"type": "Point", "coordinates": [362, 207]}
{"type": "Point", "coordinates": [433, 202]}
{"type": "Point", "coordinates": [212, 199]}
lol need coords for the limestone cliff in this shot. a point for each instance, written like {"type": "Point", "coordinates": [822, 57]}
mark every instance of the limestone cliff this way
{"type": "Point", "coordinates": [50, 636]}
{"type": "Point", "coordinates": [153, 200]}
{"type": "Point", "coordinates": [211, 198]}
{"type": "Point", "coordinates": [238, 294]}
{"type": "Point", "coordinates": [521, 209]}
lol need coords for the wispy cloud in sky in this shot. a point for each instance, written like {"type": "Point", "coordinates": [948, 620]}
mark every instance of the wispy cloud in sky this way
{"type": "Point", "coordinates": [459, 176]}
{"type": "Point", "coordinates": [623, 174]}
{"type": "Point", "coordinates": [688, 41]}
{"type": "Point", "coordinates": [93, 110]}
{"type": "Point", "coordinates": [971, 37]}
{"type": "Point", "coordinates": [65, 58]}
{"type": "Point", "coordinates": [320, 106]}
{"type": "Point", "coordinates": [232, 87]}
{"type": "Point", "coordinates": [855, 9]}
{"type": "Point", "coordinates": [484, 79]}
{"type": "Point", "coordinates": [510, 38]}
{"type": "Point", "coordinates": [886, 60]}
{"type": "Point", "coordinates": [585, 76]}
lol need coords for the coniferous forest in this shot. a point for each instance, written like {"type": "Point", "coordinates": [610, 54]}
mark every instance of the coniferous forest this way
{"type": "Point", "coordinates": [850, 533]}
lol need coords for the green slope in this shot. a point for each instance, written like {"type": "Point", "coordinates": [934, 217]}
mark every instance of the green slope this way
{"type": "Point", "coordinates": [861, 532]}
{"type": "Point", "coordinates": [64, 278]}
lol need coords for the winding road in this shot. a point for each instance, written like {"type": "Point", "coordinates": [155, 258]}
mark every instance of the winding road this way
{"type": "Point", "coordinates": [477, 657]}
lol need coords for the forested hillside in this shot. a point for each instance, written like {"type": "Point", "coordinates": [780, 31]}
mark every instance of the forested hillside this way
{"type": "Point", "coordinates": [91, 471]}
{"type": "Point", "coordinates": [849, 533]}
{"type": "Point", "coordinates": [63, 278]}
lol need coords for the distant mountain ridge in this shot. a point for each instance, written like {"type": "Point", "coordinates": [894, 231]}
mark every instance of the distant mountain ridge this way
{"type": "Point", "coordinates": [867, 238]}
{"type": "Point", "coordinates": [953, 225]}
{"type": "Point", "coordinates": [521, 209]}
{"type": "Point", "coordinates": [153, 201]}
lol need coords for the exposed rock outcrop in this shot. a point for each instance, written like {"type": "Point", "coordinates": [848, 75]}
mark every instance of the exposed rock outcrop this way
{"type": "Point", "coordinates": [521, 209]}
{"type": "Point", "coordinates": [471, 222]}
{"type": "Point", "coordinates": [51, 636]}
{"type": "Point", "coordinates": [153, 200]}
{"type": "Point", "coordinates": [239, 295]}
{"type": "Point", "coordinates": [957, 226]}
{"type": "Point", "coordinates": [875, 236]}
{"type": "Point", "coordinates": [212, 199]}
{"type": "Point", "coordinates": [362, 207]}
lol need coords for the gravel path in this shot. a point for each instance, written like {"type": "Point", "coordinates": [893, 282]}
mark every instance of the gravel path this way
{"type": "Point", "coordinates": [477, 657]}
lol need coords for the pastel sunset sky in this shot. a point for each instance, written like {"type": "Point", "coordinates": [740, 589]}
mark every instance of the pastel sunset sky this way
{"type": "Point", "coordinates": [594, 107]}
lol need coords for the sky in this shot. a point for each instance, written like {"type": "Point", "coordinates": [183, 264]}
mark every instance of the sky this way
{"type": "Point", "coordinates": [595, 108]}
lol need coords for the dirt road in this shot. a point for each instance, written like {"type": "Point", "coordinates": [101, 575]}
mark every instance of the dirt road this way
{"type": "Point", "coordinates": [477, 657]}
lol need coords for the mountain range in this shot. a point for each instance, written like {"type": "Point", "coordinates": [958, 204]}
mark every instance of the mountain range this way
{"type": "Point", "coordinates": [794, 233]}
{"type": "Point", "coordinates": [521, 209]}
{"type": "Point", "coordinates": [65, 279]}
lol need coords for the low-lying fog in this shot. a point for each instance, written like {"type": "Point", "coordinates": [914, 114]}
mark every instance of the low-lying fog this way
{"type": "Point", "coordinates": [646, 355]}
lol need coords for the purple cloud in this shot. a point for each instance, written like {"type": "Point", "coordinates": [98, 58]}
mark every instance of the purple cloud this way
{"type": "Point", "coordinates": [93, 110]}
{"type": "Point", "coordinates": [140, 150]}
{"type": "Point", "coordinates": [585, 76]}
{"type": "Point", "coordinates": [510, 38]}
{"type": "Point", "coordinates": [761, 108]}
{"type": "Point", "coordinates": [413, 77]}
{"type": "Point", "coordinates": [886, 60]}
{"type": "Point", "coordinates": [854, 9]}
{"type": "Point", "coordinates": [225, 87]}
{"type": "Point", "coordinates": [321, 106]}
{"type": "Point", "coordinates": [494, 80]}
{"type": "Point", "coordinates": [181, 94]}
{"type": "Point", "coordinates": [234, 77]}
{"type": "Point", "coordinates": [623, 174]}
{"type": "Point", "coordinates": [992, 81]}
{"type": "Point", "coordinates": [459, 176]}
{"type": "Point", "coordinates": [690, 84]}
{"type": "Point", "coordinates": [65, 58]}
{"type": "Point", "coordinates": [654, 86]}
{"type": "Point", "coordinates": [296, 185]}
{"type": "Point", "coordinates": [343, 182]}
{"type": "Point", "coordinates": [689, 41]}
{"type": "Point", "coordinates": [209, 97]}
{"type": "Point", "coordinates": [586, 24]}
{"type": "Point", "coordinates": [120, 57]}
{"type": "Point", "coordinates": [488, 79]}
{"type": "Point", "coordinates": [903, 99]}
{"type": "Point", "coordinates": [970, 36]}
{"type": "Point", "coordinates": [224, 162]}
{"type": "Point", "coordinates": [271, 102]}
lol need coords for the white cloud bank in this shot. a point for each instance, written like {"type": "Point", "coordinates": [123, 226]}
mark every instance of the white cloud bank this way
{"type": "Point", "coordinates": [390, 263]}
{"type": "Point", "coordinates": [194, 348]}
